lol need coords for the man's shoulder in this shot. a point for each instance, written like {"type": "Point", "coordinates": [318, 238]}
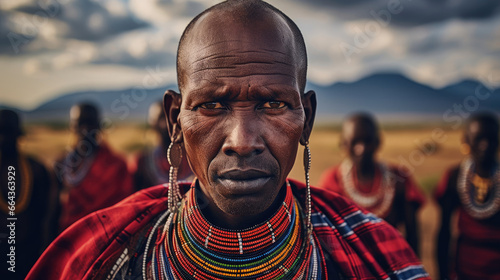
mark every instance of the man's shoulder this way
{"type": "Point", "coordinates": [447, 183]}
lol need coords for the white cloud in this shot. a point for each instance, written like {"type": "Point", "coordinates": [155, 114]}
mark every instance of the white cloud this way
{"type": "Point", "coordinates": [436, 54]}
{"type": "Point", "coordinates": [28, 91]}
{"type": "Point", "coordinates": [110, 43]}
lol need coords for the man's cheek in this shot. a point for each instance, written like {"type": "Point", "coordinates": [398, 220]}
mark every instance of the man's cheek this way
{"type": "Point", "coordinates": [289, 126]}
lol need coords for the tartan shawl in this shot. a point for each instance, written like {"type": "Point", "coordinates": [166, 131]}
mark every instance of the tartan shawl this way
{"type": "Point", "coordinates": [361, 245]}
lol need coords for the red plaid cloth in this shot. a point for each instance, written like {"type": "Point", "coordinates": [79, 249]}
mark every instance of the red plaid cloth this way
{"type": "Point", "coordinates": [361, 245]}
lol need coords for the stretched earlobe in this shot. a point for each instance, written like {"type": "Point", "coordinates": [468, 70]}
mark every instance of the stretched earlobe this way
{"type": "Point", "coordinates": [309, 103]}
{"type": "Point", "coordinates": [172, 108]}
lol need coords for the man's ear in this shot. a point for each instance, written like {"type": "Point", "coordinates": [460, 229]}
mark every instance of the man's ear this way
{"type": "Point", "coordinates": [172, 108]}
{"type": "Point", "coordinates": [309, 103]}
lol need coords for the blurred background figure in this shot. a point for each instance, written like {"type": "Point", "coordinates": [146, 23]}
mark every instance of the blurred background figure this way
{"type": "Point", "coordinates": [91, 176]}
{"type": "Point", "coordinates": [151, 167]}
{"type": "Point", "coordinates": [387, 191]}
{"type": "Point", "coordinates": [33, 193]}
{"type": "Point", "coordinates": [472, 188]}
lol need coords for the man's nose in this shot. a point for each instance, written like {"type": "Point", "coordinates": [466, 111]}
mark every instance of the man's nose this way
{"type": "Point", "coordinates": [244, 136]}
{"type": "Point", "coordinates": [359, 149]}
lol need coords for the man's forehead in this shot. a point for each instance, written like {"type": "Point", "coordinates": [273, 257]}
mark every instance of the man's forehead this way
{"type": "Point", "coordinates": [215, 34]}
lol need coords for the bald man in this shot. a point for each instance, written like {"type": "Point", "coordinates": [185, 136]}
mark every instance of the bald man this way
{"type": "Point", "coordinates": [472, 189]}
{"type": "Point", "coordinates": [240, 117]}
{"type": "Point", "coordinates": [151, 167]}
{"type": "Point", "coordinates": [91, 176]}
{"type": "Point", "coordinates": [26, 193]}
{"type": "Point", "coordinates": [382, 189]}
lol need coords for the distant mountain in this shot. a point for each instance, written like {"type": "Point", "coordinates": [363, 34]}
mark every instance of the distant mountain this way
{"type": "Point", "coordinates": [391, 97]}
{"type": "Point", "coordinates": [117, 105]}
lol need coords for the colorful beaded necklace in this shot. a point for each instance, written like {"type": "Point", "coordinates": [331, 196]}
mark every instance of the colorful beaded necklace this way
{"type": "Point", "coordinates": [379, 200]}
{"type": "Point", "coordinates": [467, 193]}
{"type": "Point", "coordinates": [189, 247]}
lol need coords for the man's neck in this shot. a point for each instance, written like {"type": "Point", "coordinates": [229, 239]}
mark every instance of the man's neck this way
{"type": "Point", "coordinates": [365, 171]}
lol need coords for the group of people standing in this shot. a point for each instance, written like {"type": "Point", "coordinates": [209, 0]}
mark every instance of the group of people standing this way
{"type": "Point", "coordinates": [238, 120]}
{"type": "Point", "coordinates": [92, 177]}
{"type": "Point", "coordinates": [472, 188]}
{"type": "Point", "coordinates": [87, 178]}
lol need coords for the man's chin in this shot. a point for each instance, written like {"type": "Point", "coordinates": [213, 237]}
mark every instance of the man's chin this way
{"type": "Point", "coordinates": [246, 205]}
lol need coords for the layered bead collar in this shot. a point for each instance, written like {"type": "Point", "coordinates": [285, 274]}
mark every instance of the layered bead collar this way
{"type": "Point", "coordinates": [190, 247]}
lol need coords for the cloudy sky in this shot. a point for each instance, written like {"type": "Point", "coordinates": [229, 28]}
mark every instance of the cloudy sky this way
{"type": "Point", "coordinates": [49, 47]}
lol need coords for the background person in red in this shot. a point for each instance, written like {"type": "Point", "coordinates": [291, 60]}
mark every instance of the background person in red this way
{"type": "Point", "coordinates": [91, 176]}
{"type": "Point", "coordinates": [151, 167]}
{"type": "Point", "coordinates": [472, 188]}
{"type": "Point", "coordinates": [34, 197]}
{"type": "Point", "coordinates": [387, 191]}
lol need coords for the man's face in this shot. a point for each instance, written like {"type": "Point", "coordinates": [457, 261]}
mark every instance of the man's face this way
{"type": "Point", "coordinates": [241, 114]}
{"type": "Point", "coordinates": [483, 141]}
{"type": "Point", "coordinates": [360, 141]}
{"type": "Point", "coordinates": [83, 122]}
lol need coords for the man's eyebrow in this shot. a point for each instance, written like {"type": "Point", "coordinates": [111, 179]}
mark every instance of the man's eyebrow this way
{"type": "Point", "coordinates": [224, 93]}
{"type": "Point", "coordinates": [216, 94]}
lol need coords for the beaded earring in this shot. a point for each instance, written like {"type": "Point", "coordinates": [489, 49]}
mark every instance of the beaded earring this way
{"type": "Point", "coordinates": [174, 156]}
{"type": "Point", "coordinates": [307, 167]}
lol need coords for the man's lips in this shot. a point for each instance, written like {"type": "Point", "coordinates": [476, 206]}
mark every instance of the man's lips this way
{"type": "Point", "coordinates": [243, 174]}
{"type": "Point", "coordinates": [243, 181]}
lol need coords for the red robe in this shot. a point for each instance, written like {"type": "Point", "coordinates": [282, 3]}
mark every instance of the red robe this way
{"type": "Point", "coordinates": [361, 245]}
{"type": "Point", "coordinates": [406, 201]}
{"type": "Point", "coordinates": [478, 244]}
{"type": "Point", "coordinates": [106, 183]}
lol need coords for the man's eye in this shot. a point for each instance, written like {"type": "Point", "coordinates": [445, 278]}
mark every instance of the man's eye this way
{"type": "Point", "coordinates": [273, 105]}
{"type": "Point", "coordinates": [212, 105]}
